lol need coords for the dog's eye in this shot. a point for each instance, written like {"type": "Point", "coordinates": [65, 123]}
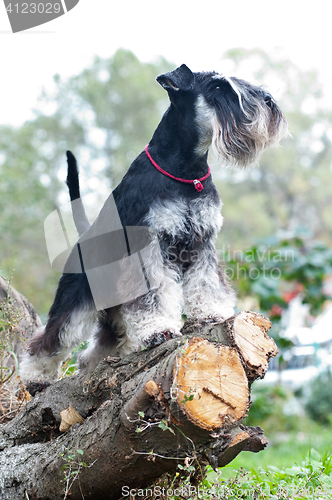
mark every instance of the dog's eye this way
{"type": "Point", "coordinates": [217, 87]}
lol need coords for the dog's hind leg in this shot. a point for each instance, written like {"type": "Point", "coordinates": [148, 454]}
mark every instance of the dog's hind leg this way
{"type": "Point", "coordinates": [104, 340]}
{"type": "Point", "coordinates": [71, 320]}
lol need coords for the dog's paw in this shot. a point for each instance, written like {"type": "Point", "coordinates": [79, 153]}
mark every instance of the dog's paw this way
{"type": "Point", "coordinates": [223, 315]}
{"type": "Point", "coordinates": [34, 387]}
{"type": "Point", "coordinates": [158, 338]}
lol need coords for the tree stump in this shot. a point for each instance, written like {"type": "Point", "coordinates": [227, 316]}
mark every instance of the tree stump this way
{"type": "Point", "coordinates": [142, 415]}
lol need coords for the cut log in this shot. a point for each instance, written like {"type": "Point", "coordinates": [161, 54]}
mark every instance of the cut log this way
{"type": "Point", "coordinates": [182, 402]}
{"type": "Point", "coordinates": [247, 331]}
{"type": "Point", "coordinates": [210, 384]}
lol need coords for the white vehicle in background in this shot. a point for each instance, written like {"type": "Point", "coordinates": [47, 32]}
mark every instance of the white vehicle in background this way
{"type": "Point", "coordinates": [312, 351]}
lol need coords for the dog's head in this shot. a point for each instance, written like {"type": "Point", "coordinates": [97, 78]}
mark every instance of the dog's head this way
{"type": "Point", "coordinates": [240, 120]}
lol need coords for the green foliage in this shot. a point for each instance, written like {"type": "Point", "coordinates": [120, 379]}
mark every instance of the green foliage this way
{"type": "Point", "coordinates": [164, 426]}
{"type": "Point", "coordinates": [319, 403]}
{"type": "Point", "coordinates": [72, 468]}
{"type": "Point", "coordinates": [267, 401]}
{"type": "Point", "coordinates": [267, 409]}
{"type": "Point", "coordinates": [146, 424]}
{"type": "Point", "coordinates": [69, 367]}
{"type": "Point", "coordinates": [188, 397]}
{"type": "Point", "coordinates": [275, 271]}
{"type": "Point", "coordinates": [279, 268]}
{"type": "Point", "coordinates": [310, 479]}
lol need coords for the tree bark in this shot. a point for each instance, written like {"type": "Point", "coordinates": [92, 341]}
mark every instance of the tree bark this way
{"type": "Point", "coordinates": [28, 321]}
{"type": "Point", "coordinates": [142, 415]}
{"type": "Point", "coordinates": [18, 323]}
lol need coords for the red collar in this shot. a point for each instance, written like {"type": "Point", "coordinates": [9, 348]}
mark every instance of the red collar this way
{"type": "Point", "coordinates": [196, 182]}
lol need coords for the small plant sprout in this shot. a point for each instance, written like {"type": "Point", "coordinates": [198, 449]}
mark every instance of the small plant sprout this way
{"type": "Point", "coordinates": [72, 468]}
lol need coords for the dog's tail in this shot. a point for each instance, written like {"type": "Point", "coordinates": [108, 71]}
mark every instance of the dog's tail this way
{"type": "Point", "coordinates": [80, 218]}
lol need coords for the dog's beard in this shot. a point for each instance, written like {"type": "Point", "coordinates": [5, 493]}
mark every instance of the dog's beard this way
{"type": "Point", "coordinates": [240, 136]}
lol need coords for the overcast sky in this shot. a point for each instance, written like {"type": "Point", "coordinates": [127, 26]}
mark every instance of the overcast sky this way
{"type": "Point", "coordinates": [193, 32]}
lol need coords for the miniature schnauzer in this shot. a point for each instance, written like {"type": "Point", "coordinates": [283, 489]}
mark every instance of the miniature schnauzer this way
{"type": "Point", "coordinates": [168, 189]}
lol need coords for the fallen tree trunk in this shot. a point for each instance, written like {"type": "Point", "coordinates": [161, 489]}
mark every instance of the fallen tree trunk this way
{"type": "Point", "coordinates": [182, 402]}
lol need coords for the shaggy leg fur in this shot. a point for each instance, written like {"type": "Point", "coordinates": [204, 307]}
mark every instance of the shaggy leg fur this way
{"type": "Point", "coordinates": [104, 340]}
{"type": "Point", "coordinates": [207, 294]}
{"type": "Point", "coordinates": [43, 366]}
{"type": "Point", "coordinates": [153, 317]}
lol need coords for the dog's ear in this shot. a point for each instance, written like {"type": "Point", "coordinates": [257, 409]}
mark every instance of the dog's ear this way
{"type": "Point", "coordinates": [180, 78]}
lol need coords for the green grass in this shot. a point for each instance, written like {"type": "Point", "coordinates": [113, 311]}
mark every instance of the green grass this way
{"type": "Point", "coordinates": [297, 465]}
{"type": "Point", "coordinates": [286, 448]}
{"type": "Point", "coordinates": [310, 479]}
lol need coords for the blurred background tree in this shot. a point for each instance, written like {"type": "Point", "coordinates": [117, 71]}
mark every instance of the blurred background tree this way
{"type": "Point", "coordinates": [107, 114]}
{"type": "Point", "coordinates": [292, 185]}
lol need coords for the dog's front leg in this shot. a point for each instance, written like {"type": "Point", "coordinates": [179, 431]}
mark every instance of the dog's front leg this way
{"type": "Point", "coordinates": [154, 317]}
{"type": "Point", "coordinates": [207, 293]}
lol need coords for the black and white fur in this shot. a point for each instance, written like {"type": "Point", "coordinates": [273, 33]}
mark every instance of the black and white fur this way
{"type": "Point", "coordinates": [239, 121]}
